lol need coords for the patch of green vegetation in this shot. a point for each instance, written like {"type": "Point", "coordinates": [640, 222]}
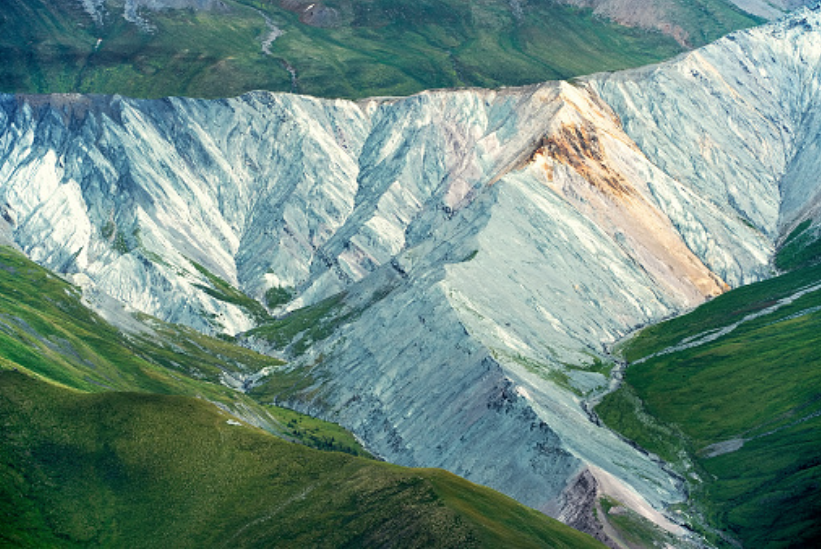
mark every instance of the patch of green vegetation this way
{"type": "Point", "coordinates": [560, 377]}
{"type": "Point", "coordinates": [706, 20]}
{"type": "Point", "coordinates": [803, 226]}
{"type": "Point", "coordinates": [747, 406]}
{"type": "Point", "coordinates": [596, 365]}
{"type": "Point", "coordinates": [531, 365]}
{"type": "Point", "coordinates": [470, 256]}
{"type": "Point", "coordinates": [107, 230]}
{"type": "Point", "coordinates": [183, 349]}
{"type": "Point", "coordinates": [718, 312]}
{"type": "Point", "coordinates": [802, 248]}
{"type": "Point", "coordinates": [151, 256]}
{"type": "Point", "coordinates": [136, 470]}
{"type": "Point", "coordinates": [120, 243]}
{"type": "Point", "coordinates": [319, 434]}
{"type": "Point", "coordinates": [287, 384]}
{"type": "Point", "coordinates": [378, 47]}
{"type": "Point", "coordinates": [223, 291]}
{"type": "Point", "coordinates": [278, 295]}
{"type": "Point", "coordinates": [626, 410]}
{"type": "Point", "coordinates": [767, 493]}
{"type": "Point", "coordinates": [52, 46]}
{"type": "Point", "coordinates": [46, 331]}
{"type": "Point", "coordinates": [299, 329]}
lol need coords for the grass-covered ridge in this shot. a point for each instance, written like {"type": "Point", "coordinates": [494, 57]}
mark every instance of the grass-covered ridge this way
{"type": "Point", "coordinates": [738, 415]}
{"type": "Point", "coordinates": [719, 312]}
{"type": "Point", "coordinates": [374, 47]}
{"type": "Point", "coordinates": [141, 470]}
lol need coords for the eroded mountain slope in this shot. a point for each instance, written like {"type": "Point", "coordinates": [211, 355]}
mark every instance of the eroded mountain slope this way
{"type": "Point", "coordinates": [466, 257]}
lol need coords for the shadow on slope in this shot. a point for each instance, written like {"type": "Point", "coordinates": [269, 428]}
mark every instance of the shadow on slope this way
{"type": "Point", "coordinates": [141, 470]}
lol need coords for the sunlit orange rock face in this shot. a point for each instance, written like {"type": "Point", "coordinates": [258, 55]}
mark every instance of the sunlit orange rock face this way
{"type": "Point", "coordinates": [590, 161]}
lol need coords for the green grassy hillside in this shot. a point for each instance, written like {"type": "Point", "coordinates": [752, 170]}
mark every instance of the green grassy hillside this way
{"type": "Point", "coordinates": [374, 47]}
{"type": "Point", "coordinates": [112, 440]}
{"type": "Point", "coordinates": [46, 331]}
{"type": "Point", "coordinates": [141, 470]}
{"type": "Point", "coordinates": [738, 416]}
{"type": "Point", "coordinates": [802, 247]}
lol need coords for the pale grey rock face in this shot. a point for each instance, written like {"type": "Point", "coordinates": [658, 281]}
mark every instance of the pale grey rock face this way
{"type": "Point", "coordinates": [490, 245]}
{"type": "Point", "coordinates": [94, 8]}
{"type": "Point", "coordinates": [742, 137]}
{"type": "Point", "coordinates": [438, 397]}
{"type": "Point", "coordinates": [145, 189]}
{"type": "Point", "coordinates": [762, 8]}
